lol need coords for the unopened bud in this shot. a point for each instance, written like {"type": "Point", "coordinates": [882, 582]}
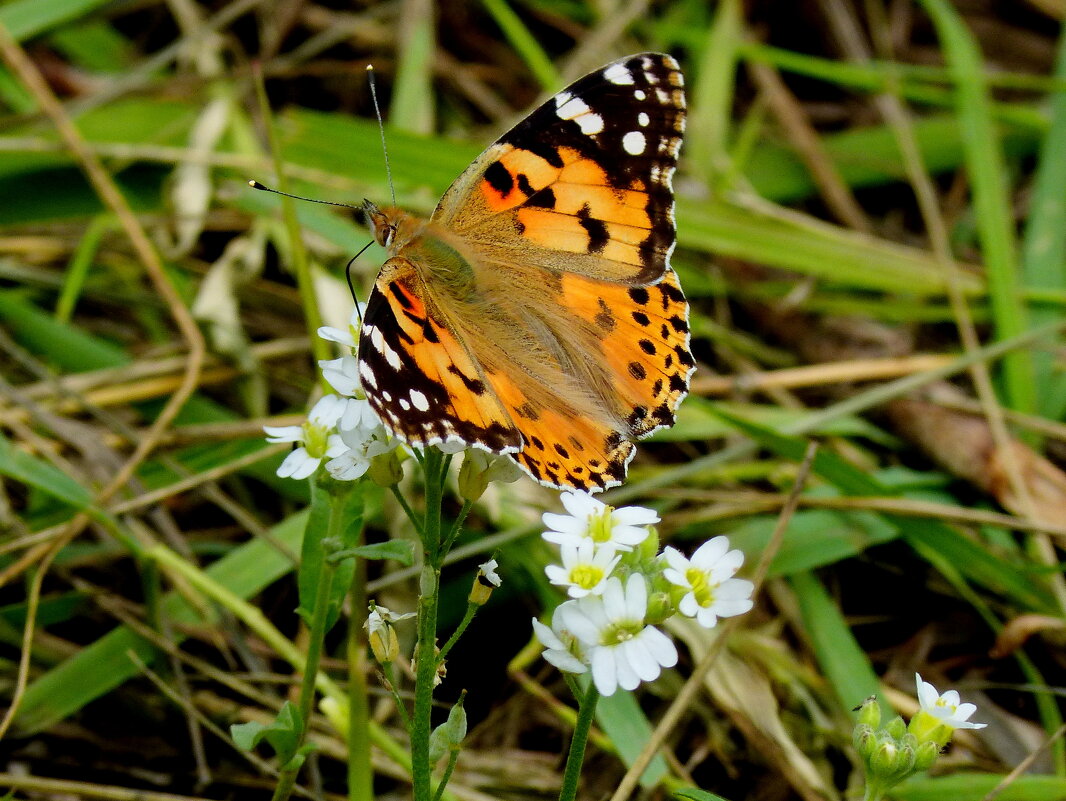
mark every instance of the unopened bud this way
{"type": "Point", "coordinates": [486, 580]}
{"type": "Point", "coordinates": [386, 470]}
{"type": "Point", "coordinates": [870, 712]}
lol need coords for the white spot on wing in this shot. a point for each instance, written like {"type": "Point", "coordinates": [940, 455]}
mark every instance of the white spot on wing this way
{"type": "Point", "coordinates": [619, 75]}
{"type": "Point", "coordinates": [643, 119]}
{"type": "Point", "coordinates": [568, 107]}
{"type": "Point", "coordinates": [367, 375]}
{"type": "Point", "coordinates": [404, 405]}
{"type": "Point", "coordinates": [420, 401]}
{"type": "Point", "coordinates": [634, 143]}
{"type": "Point", "coordinates": [392, 357]}
{"type": "Point", "coordinates": [640, 94]}
{"type": "Point", "coordinates": [590, 123]}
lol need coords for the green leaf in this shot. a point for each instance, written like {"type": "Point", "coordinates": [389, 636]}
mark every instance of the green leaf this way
{"type": "Point", "coordinates": [33, 472]}
{"type": "Point", "coordinates": [696, 794]}
{"type": "Point", "coordinates": [334, 511]}
{"type": "Point", "coordinates": [968, 786]}
{"type": "Point", "coordinates": [624, 722]}
{"type": "Point", "coordinates": [992, 205]}
{"type": "Point", "coordinates": [842, 659]}
{"type": "Point", "coordinates": [27, 18]}
{"type": "Point", "coordinates": [402, 551]}
{"type": "Point", "coordinates": [282, 734]}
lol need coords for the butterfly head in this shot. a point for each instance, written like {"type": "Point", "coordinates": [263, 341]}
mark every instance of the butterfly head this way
{"type": "Point", "coordinates": [392, 228]}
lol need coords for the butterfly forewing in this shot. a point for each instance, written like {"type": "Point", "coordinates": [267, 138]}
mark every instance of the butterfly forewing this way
{"type": "Point", "coordinates": [422, 383]}
{"type": "Point", "coordinates": [587, 174]}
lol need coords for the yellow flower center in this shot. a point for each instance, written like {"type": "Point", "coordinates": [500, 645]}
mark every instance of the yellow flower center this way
{"type": "Point", "coordinates": [315, 439]}
{"type": "Point", "coordinates": [586, 576]}
{"type": "Point", "coordinates": [600, 525]}
{"type": "Point", "coordinates": [701, 588]}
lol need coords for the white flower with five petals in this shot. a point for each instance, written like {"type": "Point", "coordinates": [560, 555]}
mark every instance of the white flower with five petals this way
{"type": "Point", "coordinates": [592, 520]}
{"type": "Point", "coordinates": [947, 707]}
{"type": "Point", "coordinates": [317, 438]}
{"type": "Point", "coordinates": [585, 568]}
{"type": "Point", "coordinates": [561, 648]}
{"type": "Point", "coordinates": [621, 649]}
{"type": "Point", "coordinates": [706, 577]}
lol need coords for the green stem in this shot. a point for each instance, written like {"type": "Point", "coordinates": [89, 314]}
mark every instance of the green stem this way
{"type": "Point", "coordinates": [416, 521]}
{"type": "Point", "coordinates": [434, 466]}
{"type": "Point", "coordinates": [457, 526]}
{"type": "Point", "coordinates": [360, 772]}
{"type": "Point", "coordinates": [453, 757]}
{"type": "Point", "coordinates": [585, 714]}
{"type": "Point", "coordinates": [316, 639]}
{"type": "Point", "coordinates": [401, 706]}
{"type": "Point", "coordinates": [425, 677]}
{"type": "Point", "coordinates": [471, 610]}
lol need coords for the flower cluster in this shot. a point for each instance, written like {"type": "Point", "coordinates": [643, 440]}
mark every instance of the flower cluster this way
{"type": "Point", "coordinates": [621, 589]}
{"type": "Point", "coordinates": [898, 750]}
{"type": "Point", "coordinates": [341, 430]}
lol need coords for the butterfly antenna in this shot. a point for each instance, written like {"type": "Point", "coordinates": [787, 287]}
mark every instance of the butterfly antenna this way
{"type": "Point", "coordinates": [381, 127]}
{"type": "Point", "coordinates": [259, 186]}
{"type": "Point", "coordinates": [351, 286]}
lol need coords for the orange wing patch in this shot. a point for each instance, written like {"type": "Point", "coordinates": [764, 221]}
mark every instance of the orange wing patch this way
{"type": "Point", "coordinates": [645, 340]}
{"type": "Point", "coordinates": [565, 201]}
{"type": "Point", "coordinates": [562, 450]}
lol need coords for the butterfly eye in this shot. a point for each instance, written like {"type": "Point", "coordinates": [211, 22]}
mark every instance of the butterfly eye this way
{"type": "Point", "coordinates": [385, 234]}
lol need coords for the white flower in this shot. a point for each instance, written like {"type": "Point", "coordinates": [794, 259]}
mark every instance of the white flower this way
{"type": "Point", "coordinates": [349, 337]}
{"type": "Point", "coordinates": [342, 374]}
{"type": "Point", "coordinates": [487, 571]}
{"type": "Point", "coordinates": [946, 708]}
{"type": "Point", "coordinates": [621, 649]}
{"type": "Point", "coordinates": [591, 519]}
{"type": "Point", "coordinates": [562, 649]}
{"type": "Point", "coordinates": [585, 568]}
{"type": "Point", "coordinates": [358, 413]}
{"type": "Point", "coordinates": [359, 446]}
{"type": "Point", "coordinates": [317, 438]}
{"type": "Point", "coordinates": [711, 591]}
{"type": "Point", "coordinates": [382, 637]}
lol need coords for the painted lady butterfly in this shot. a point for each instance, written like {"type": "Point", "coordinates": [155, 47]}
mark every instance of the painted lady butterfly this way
{"type": "Point", "coordinates": [535, 312]}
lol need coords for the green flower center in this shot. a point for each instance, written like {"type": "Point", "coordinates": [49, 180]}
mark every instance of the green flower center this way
{"type": "Point", "coordinates": [586, 576]}
{"type": "Point", "coordinates": [600, 525]}
{"type": "Point", "coordinates": [618, 633]}
{"type": "Point", "coordinates": [315, 439]}
{"type": "Point", "coordinates": [701, 588]}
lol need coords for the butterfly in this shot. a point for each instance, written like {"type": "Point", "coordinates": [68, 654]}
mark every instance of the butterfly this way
{"type": "Point", "coordinates": [535, 312]}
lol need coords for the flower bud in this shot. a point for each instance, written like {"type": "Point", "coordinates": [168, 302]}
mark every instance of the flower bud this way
{"type": "Point", "coordinates": [473, 475]}
{"type": "Point", "coordinates": [383, 642]}
{"type": "Point", "coordinates": [386, 469]}
{"type": "Point", "coordinates": [926, 755]}
{"type": "Point", "coordinates": [896, 728]}
{"type": "Point", "coordinates": [660, 608]}
{"type": "Point", "coordinates": [870, 712]}
{"type": "Point", "coordinates": [865, 739]}
{"type": "Point", "coordinates": [485, 582]}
